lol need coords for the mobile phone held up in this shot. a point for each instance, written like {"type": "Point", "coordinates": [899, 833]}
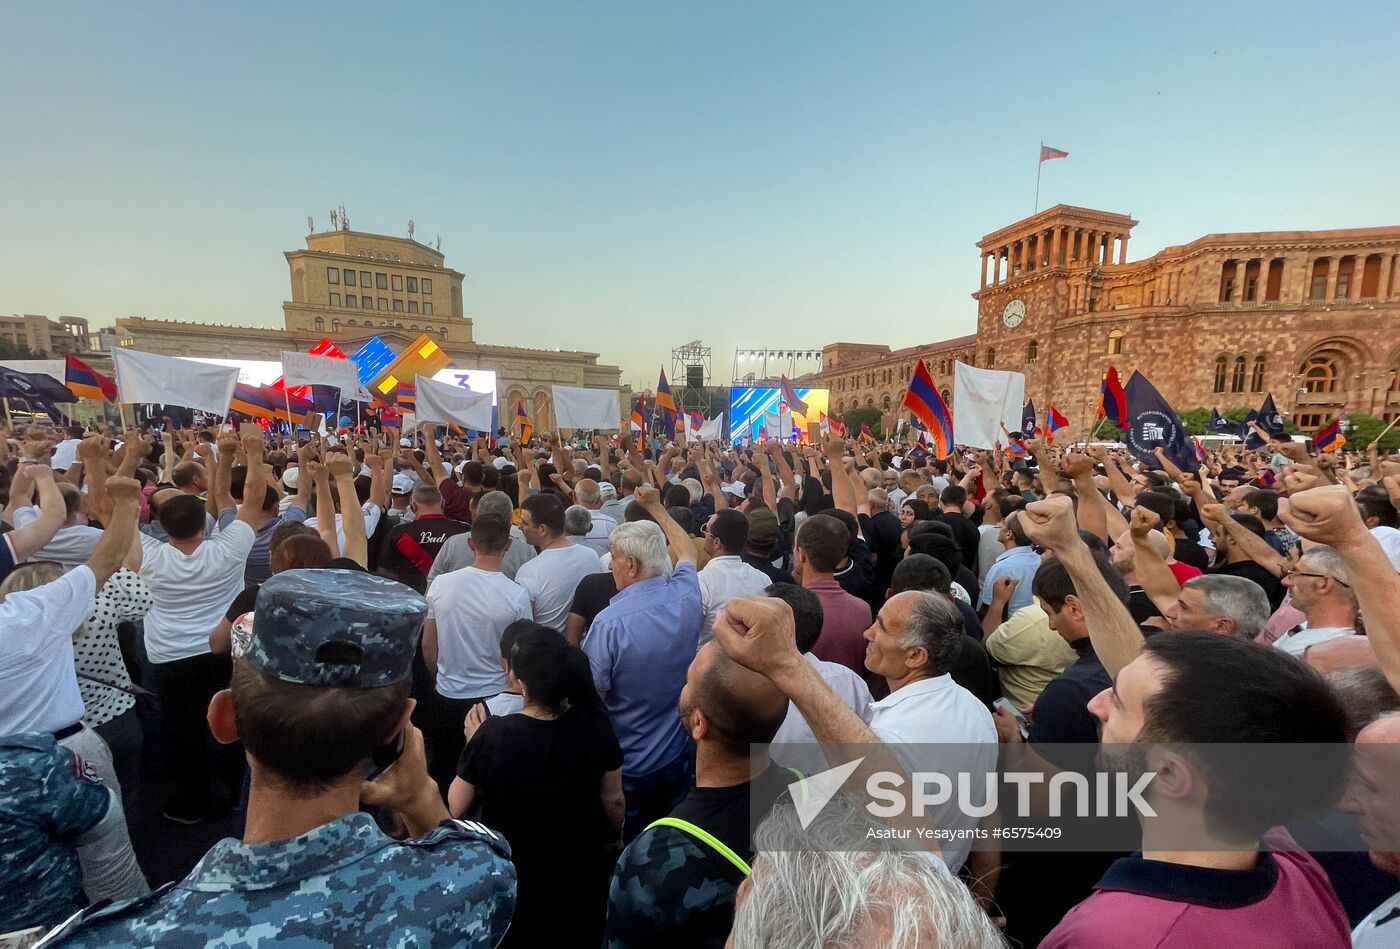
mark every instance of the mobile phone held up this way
{"type": "Point", "coordinates": [1015, 713]}
{"type": "Point", "coordinates": [385, 755]}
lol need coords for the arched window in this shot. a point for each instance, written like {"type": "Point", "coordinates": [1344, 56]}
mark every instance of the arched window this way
{"type": "Point", "coordinates": [870, 401]}
{"type": "Point", "coordinates": [1256, 382]}
{"type": "Point", "coordinates": [947, 397]}
{"type": "Point", "coordinates": [1237, 377]}
{"type": "Point", "coordinates": [1115, 342]}
{"type": "Point", "coordinates": [444, 331]}
{"type": "Point", "coordinates": [335, 326]}
{"type": "Point", "coordinates": [1220, 364]}
{"type": "Point", "coordinates": [991, 358]}
{"type": "Point", "coordinates": [320, 325]}
{"type": "Point", "coordinates": [349, 322]}
{"type": "Point", "coordinates": [1032, 350]}
{"type": "Point", "coordinates": [840, 406]}
{"type": "Point", "coordinates": [1320, 373]}
{"type": "Point", "coordinates": [414, 327]}
{"type": "Point", "coordinates": [885, 403]}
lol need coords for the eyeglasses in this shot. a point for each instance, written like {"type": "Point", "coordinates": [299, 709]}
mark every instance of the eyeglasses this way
{"type": "Point", "coordinates": [1294, 572]}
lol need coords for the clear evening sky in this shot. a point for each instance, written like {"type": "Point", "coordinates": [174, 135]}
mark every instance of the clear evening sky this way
{"type": "Point", "coordinates": [624, 177]}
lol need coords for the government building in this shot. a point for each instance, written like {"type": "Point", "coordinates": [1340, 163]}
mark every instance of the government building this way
{"type": "Point", "coordinates": [1311, 316]}
{"type": "Point", "coordinates": [350, 287]}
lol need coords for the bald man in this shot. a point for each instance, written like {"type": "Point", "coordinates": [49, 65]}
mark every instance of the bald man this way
{"type": "Point", "coordinates": [675, 883]}
{"type": "Point", "coordinates": [1374, 797]}
{"type": "Point", "coordinates": [588, 494]}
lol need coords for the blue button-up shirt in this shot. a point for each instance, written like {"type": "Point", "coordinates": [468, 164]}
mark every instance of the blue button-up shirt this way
{"type": "Point", "coordinates": [640, 647]}
{"type": "Point", "coordinates": [343, 883]}
{"type": "Point", "coordinates": [1021, 563]}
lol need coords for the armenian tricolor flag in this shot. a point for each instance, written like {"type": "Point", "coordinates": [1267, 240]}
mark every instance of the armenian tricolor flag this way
{"type": "Point", "coordinates": [270, 403]}
{"type": "Point", "coordinates": [1047, 153]}
{"type": "Point", "coordinates": [522, 421]}
{"type": "Point", "coordinates": [697, 422]}
{"type": "Point", "coordinates": [1113, 400]}
{"type": "Point", "coordinates": [925, 404]}
{"type": "Point", "coordinates": [408, 397]}
{"type": "Point", "coordinates": [865, 432]}
{"type": "Point", "coordinates": [837, 427]}
{"type": "Point", "coordinates": [1330, 437]}
{"type": "Point", "coordinates": [1054, 421]}
{"type": "Point", "coordinates": [790, 397]}
{"type": "Point", "coordinates": [1200, 449]}
{"type": "Point", "coordinates": [86, 382]}
{"type": "Point", "coordinates": [666, 405]}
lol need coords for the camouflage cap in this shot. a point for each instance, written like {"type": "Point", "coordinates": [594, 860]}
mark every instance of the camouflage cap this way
{"type": "Point", "coordinates": [336, 628]}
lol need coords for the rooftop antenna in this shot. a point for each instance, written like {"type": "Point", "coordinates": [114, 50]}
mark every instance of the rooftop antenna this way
{"type": "Point", "coordinates": [439, 242]}
{"type": "Point", "coordinates": [410, 228]}
{"type": "Point", "coordinates": [344, 217]}
{"type": "Point", "coordinates": [335, 220]}
{"type": "Point", "coordinates": [310, 224]}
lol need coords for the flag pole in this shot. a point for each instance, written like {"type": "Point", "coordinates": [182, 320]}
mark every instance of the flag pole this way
{"type": "Point", "coordinates": [9, 419]}
{"type": "Point", "coordinates": [1377, 440]}
{"type": "Point", "coordinates": [1038, 163]}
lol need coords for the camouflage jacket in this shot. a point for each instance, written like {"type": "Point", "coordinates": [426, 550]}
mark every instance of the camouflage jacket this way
{"type": "Point", "coordinates": [48, 799]}
{"type": "Point", "coordinates": [344, 883]}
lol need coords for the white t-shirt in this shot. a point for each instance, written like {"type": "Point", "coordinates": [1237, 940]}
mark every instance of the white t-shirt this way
{"type": "Point", "coordinates": [805, 755]}
{"type": "Point", "coordinates": [551, 579]}
{"type": "Point", "coordinates": [65, 453]}
{"type": "Point", "coordinates": [597, 537]}
{"type": "Point", "coordinates": [193, 591]}
{"type": "Point", "coordinates": [38, 684]}
{"type": "Point", "coordinates": [1371, 934]}
{"type": "Point", "coordinates": [71, 546]}
{"type": "Point", "coordinates": [722, 580]}
{"type": "Point", "coordinates": [1296, 643]}
{"type": "Point", "coordinates": [472, 607]}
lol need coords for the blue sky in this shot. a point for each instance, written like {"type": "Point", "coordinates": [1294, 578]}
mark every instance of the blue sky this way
{"type": "Point", "coordinates": [624, 176]}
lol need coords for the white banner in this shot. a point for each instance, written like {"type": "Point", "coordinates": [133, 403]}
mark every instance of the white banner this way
{"type": "Point", "coordinates": [53, 368]}
{"type": "Point", "coordinates": [779, 425]}
{"type": "Point", "coordinates": [146, 377]}
{"type": "Point", "coordinates": [577, 407]}
{"type": "Point", "coordinates": [304, 369]}
{"type": "Point", "coordinates": [983, 401]}
{"type": "Point", "coordinates": [443, 403]}
{"type": "Point", "coordinates": [713, 429]}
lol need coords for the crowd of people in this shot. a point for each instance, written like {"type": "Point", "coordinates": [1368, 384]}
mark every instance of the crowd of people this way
{"type": "Point", "coordinates": [472, 692]}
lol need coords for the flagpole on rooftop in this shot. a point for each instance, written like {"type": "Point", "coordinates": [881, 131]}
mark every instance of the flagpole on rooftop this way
{"type": "Point", "coordinates": [1039, 161]}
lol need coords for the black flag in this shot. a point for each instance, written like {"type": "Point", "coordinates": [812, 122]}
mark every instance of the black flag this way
{"type": "Point", "coordinates": [1152, 424]}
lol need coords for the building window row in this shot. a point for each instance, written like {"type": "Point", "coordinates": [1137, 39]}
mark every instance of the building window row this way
{"type": "Point", "coordinates": [379, 281]}
{"type": "Point", "coordinates": [1235, 371]}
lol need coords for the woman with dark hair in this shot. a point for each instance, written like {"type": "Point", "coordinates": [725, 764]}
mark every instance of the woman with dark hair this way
{"type": "Point", "coordinates": [549, 780]}
{"type": "Point", "coordinates": [913, 510]}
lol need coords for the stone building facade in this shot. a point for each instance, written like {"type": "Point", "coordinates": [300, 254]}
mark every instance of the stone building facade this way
{"type": "Point", "coordinates": [400, 289]}
{"type": "Point", "coordinates": [43, 336]}
{"type": "Point", "coordinates": [1310, 316]}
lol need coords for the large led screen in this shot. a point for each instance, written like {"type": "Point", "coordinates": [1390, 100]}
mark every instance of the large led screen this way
{"type": "Point", "coordinates": [750, 407]}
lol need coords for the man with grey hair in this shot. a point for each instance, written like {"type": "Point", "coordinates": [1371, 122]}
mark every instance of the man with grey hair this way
{"type": "Point", "coordinates": [823, 884]}
{"type": "Point", "coordinates": [589, 495]}
{"type": "Point", "coordinates": [639, 648]}
{"type": "Point", "coordinates": [456, 553]}
{"type": "Point", "coordinates": [1320, 586]}
{"type": "Point", "coordinates": [1221, 604]}
{"type": "Point", "coordinates": [577, 522]}
{"type": "Point", "coordinates": [913, 643]}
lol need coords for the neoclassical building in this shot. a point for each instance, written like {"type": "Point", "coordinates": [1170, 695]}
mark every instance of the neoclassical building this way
{"type": "Point", "coordinates": [1311, 316]}
{"type": "Point", "coordinates": [350, 287]}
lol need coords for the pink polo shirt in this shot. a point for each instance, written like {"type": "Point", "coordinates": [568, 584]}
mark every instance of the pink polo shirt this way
{"type": "Point", "coordinates": [845, 619]}
{"type": "Point", "coordinates": [1283, 902]}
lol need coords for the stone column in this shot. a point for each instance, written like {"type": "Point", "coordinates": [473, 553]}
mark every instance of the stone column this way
{"type": "Point", "coordinates": [984, 271]}
{"type": "Point", "coordinates": [1055, 247]}
{"type": "Point", "coordinates": [1024, 244]}
{"type": "Point", "coordinates": [1358, 270]}
{"type": "Point", "coordinates": [1333, 263]}
{"type": "Point", "coordinates": [1123, 250]}
{"type": "Point", "coordinates": [1383, 284]}
{"type": "Point", "coordinates": [1237, 291]}
{"type": "Point", "coordinates": [1108, 240]}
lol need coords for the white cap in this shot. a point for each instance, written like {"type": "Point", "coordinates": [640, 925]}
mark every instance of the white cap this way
{"type": "Point", "coordinates": [290, 478]}
{"type": "Point", "coordinates": [500, 461]}
{"type": "Point", "coordinates": [736, 489]}
{"type": "Point", "coordinates": [403, 483]}
{"type": "Point", "coordinates": [405, 443]}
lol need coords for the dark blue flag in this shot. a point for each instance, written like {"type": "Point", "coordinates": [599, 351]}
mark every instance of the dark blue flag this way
{"type": "Point", "coordinates": [1028, 419]}
{"type": "Point", "coordinates": [1220, 425]}
{"type": "Point", "coordinates": [1269, 420]}
{"type": "Point", "coordinates": [1152, 424]}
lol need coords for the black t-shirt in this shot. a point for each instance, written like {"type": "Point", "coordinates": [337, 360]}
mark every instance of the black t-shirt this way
{"type": "Point", "coordinates": [965, 533]}
{"type": "Point", "coordinates": [858, 578]}
{"type": "Point", "coordinates": [408, 550]}
{"type": "Point", "coordinates": [775, 574]}
{"type": "Point", "coordinates": [1191, 553]}
{"type": "Point", "coordinates": [538, 783]}
{"type": "Point", "coordinates": [1141, 605]}
{"type": "Point", "coordinates": [1251, 570]}
{"type": "Point", "coordinates": [1061, 714]}
{"type": "Point", "coordinates": [670, 889]}
{"type": "Point", "coordinates": [592, 595]}
{"type": "Point", "coordinates": [882, 532]}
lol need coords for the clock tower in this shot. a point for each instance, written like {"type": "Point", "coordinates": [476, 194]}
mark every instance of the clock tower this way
{"type": "Point", "coordinates": [1038, 275]}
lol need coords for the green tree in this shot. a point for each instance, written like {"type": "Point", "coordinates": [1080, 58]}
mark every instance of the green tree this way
{"type": "Point", "coordinates": [865, 414]}
{"type": "Point", "coordinates": [1196, 421]}
{"type": "Point", "coordinates": [1363, 429]}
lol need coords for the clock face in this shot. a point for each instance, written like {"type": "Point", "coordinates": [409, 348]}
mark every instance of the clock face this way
{"type": "Point", "coordinates": [1014, 313]}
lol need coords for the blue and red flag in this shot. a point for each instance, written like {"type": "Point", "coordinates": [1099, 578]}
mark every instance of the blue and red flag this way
{"type": "Point", "coordinates": [1113, 399]}
{"type": "Point", "coordinates": [1200, 449]}
{"type": "Point", "coordinates": [1266, 478]}
{"type": "Point", "coordinates": [697, 422]}
{"type": "Point", "coordinates": [1015, 449]}
{"type": "Point", "coordinates": [86, 382]}
{"type": "Point", "coordinates": [925, 404]}
{"type": "Point", "coordinates": [1047, 153]}
{"type": "Point", "coordinates": [1054, 421]}
{"type": "Point", "coordinates": [666, 404]}
{"type": "Point", "coordinates": [1329, 437]}
{"type": "Point", "coordinates": [790, 397]}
